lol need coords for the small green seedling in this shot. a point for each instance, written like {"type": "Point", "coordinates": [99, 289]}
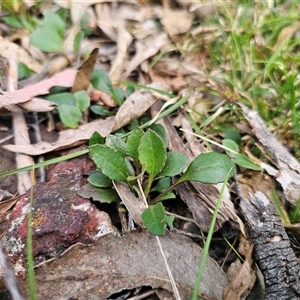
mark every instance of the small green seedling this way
{"type": "Point", "coordinates": [70, 106]}
{"type": "Point", "coordinates": [143, 157]}
{"type": "Point", "coordinates": [50, 36]}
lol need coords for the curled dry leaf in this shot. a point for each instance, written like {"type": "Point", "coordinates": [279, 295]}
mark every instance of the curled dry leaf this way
{"type": "Point", "coordinates": [243, 282]}
{"type": "Point", "coordinates": [65, 78]}
{"type": "Point", "coordinates": [136, 105]}
{"type": "Point", "coordinates": [132, 108]}
{"type": "Point", "coordinates": [116, 263]}
{"type": "Point", "coordinates": [38, 105]}
{"type": "Point", "coordinates": [67, 138]}
{"type": "Point", "coordinates": [84, 73]}
{"type": "Point", "coordinates": [134, 205]}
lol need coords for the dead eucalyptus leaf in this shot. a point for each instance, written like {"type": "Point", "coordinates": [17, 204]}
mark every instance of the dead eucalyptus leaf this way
{"type": "Point", "coordinates": [67, 138]}
{"type": "Point", "coordinates": [65, 78]}
{"type": "Point", "coordinates": [243, 282]}
{"type": "Point", "coordinates": [136, 105]}
{"type": "Point", "coordinates": [134, 205]}
{"type": "Point", "coordinates": [38, 105]}
{"type": "Point", "coordinates": [84, 73]}
{"type": "Point", "coordinates": [176, 21]}
{"type": "Point", "coordinates": [116, 263]}
{"type": "Point", "coordinates": [7, 204]}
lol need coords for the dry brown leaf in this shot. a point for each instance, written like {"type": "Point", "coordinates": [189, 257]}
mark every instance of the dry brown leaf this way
{"type": "Point", "coordinates": [124, 39]}
{"type": "Point", "coordinates": [134, 205]}
{"type": "Point", "coordinates": [102, 98]}
{"type": "Point", "coordinates": [136, 105]}
{"type": "Point", "coordinates": [115, 263]}
{"type": "Point", "coordinates": [67, 138]}
{"type": "Point", "coordinates": [131, 109]}
{"type": "Point", "coordinates": [176, 21]}
{"type": "Point", "coordinates": [105, 20]}
{"type": "Point", "coordinates": [145, 49]}
{"type": "Point", "coordinates": [242, 283]}
{"type": "Point", "coordinates": [84, 73]}
{"type": "Point", "coordinates": [7, 204]}
{"type": "Point", "coordinates": [38, 105]}
{"type": "Point", "coordinates": [286, 34]}
{"type": "Point", "coordinates": [7, 47]}
{"type": "Point", "coordinates": [65, 78]}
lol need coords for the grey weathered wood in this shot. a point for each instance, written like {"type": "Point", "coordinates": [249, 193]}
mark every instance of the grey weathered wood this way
{"type": "Point", "coordinates": [273, 253]}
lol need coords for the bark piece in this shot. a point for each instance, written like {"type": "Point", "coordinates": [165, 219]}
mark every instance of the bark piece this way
{"type": "Point", "coordinates": [288, 173]}
{"type": "Point", "coordinates": [116, 263]}
{"type": "Point", "coordinates": [60, 218]}
{"type": "Point", "coordinates": [273, 252]}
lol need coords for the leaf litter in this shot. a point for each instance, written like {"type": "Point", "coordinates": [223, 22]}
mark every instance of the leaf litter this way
{"type": "Point", "coordinates": [133, 47]}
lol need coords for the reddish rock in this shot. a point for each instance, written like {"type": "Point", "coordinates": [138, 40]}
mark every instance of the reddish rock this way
{"type": "Point", "coordinates": [60, 219]}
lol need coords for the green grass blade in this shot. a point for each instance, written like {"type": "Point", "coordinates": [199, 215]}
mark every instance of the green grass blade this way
{"type": "Point", "coordinates": [208, 240]}
{"type": "Point", "coordinates": [45, 163]}
{"type": "Point", "coordinates": [30, 263]}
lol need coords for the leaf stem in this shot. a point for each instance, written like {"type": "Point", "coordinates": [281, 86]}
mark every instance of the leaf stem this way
{"type": "Point", "coordinates": [166, 191]}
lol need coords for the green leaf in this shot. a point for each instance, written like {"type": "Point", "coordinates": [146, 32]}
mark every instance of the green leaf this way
{"type": "Point", "coordinates": [208, 168]}
{"type": "Point", "coordinates": [175, 163]}
{"type": "Point", "coordinates": [169, 220]}
{"type": "Point", "coordinates": [24, 71]}
{"type": "Point", "coordinates": [154, 219]}
{"type": "Point", "coordinates": [133, 142]}
{"type": "Point", "coordinates": [130, 169]}
{"type": "Point", "coordinates": [161, 131]}
{"type": "Point", "coordinates": [101, 81]}
{"type": "Point", "coordinates": [103, 195]}
{"type": "Point", "coordinates": [98, 179]}
{"type": "Point", "coordinates": [82, 100]}
{"type": "Point", "coordinates": [162, 185]}
{"type": "Point", "coordinates": [231, 145]}
{"type": "Point", "coordinates": [70, 115]}
{"type": "Point", "coordinates": [232, 134]}
{"type": "Point", "coordinates": [47, 41]}
{"type": "Point", "coordinates": [109, 161]}
{"type": "Point", "coordinates": [13, 21]}
{"type": "Point", "coordinates": [243, 161]}
{"type": "Point", "coordinates": [118, 95]}
{"type": "Point", "coordinates": [100, 110]}
{"type": "Point", "coordinates": [152, 153]}
{"type": "Point", "coordinates": [62, 98]}
{"type": "Point", "coordinates": [54, 24]}
{"type": "Point", "coordinates": [166, 197]}
{"type": "Point", "coordinates": [77, 42]}
{"type": "Point", "coordinates": [129, 91]}
{"type": "Point", "coordinates": [96, 138]}
{"type": "Point", "coordinates": [116, 143]}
